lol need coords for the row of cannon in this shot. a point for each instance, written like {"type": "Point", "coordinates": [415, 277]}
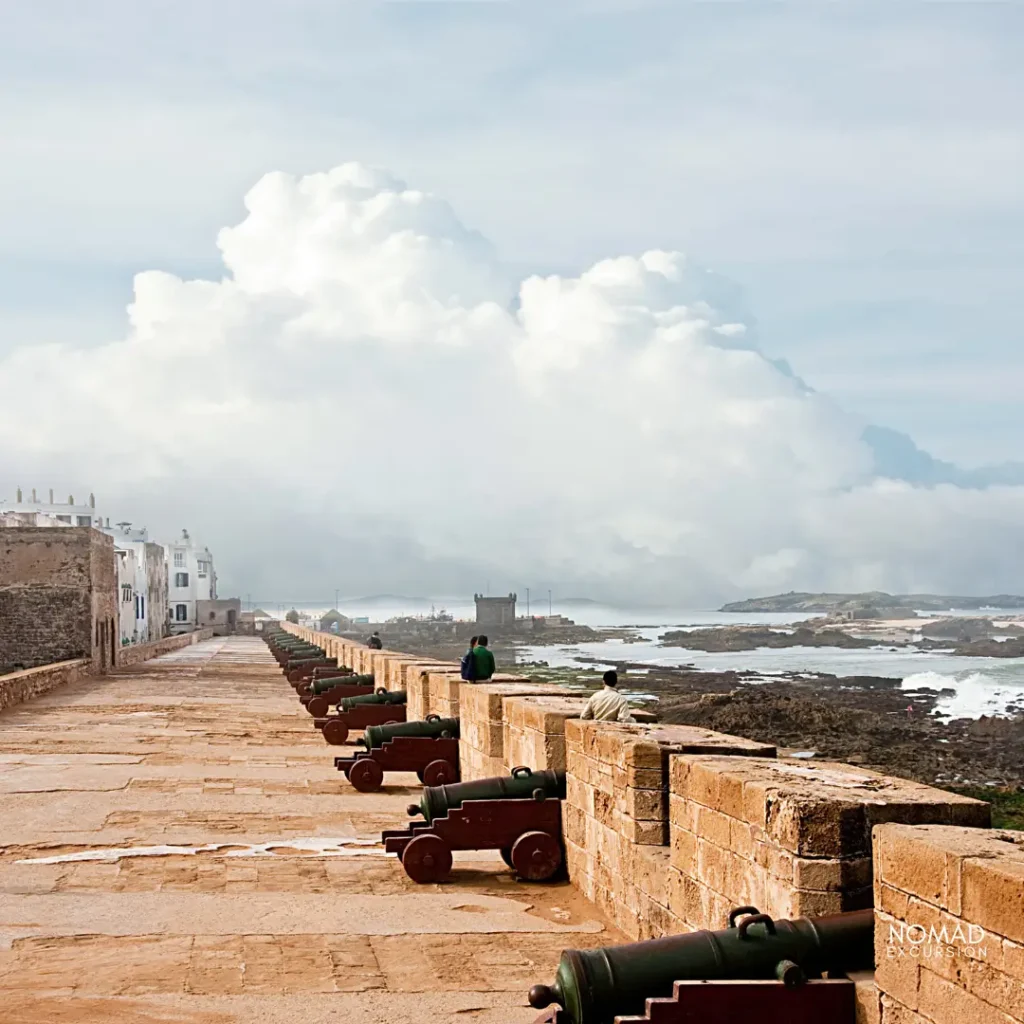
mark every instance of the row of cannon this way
{"type": "Point", "coordinates": [777, 971]}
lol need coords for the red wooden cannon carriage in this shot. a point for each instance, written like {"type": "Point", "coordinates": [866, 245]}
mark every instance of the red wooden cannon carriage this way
{"type": "Point", "coordinates": [520, 816]}
{"type": "Point", "coordinates": [429, 748]}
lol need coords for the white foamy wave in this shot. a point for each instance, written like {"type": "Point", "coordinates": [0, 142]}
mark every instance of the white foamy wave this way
{"type": "Point", "coordinates": [974, 694]}
{"type": "Point", "coordinates": [930, 681]}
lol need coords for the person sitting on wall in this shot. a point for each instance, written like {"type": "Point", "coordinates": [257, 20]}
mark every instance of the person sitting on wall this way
{"type": "Point", "coordinates": [467, 667]}
{"type": "Point", "coordinates": [375, 642]}
{"type": "Point", "coordinates": [608, 705]}
{"type": "Point", "coordinates": [483, 661]}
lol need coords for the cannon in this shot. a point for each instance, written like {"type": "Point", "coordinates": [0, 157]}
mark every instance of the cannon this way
{"type": "Point", "coordinates": [430, 748]}
{"type": "Point", "coordinates": [697, 976]}
{"type": "Point", "coordinates": [336, 675]}
{"type": "Point", "coordinates": [432, 727]}
{"type": "Point", "coordinates": [302, 669]}
{"type": "Point", "coordinates": [520, 783]}
{"type": "Point", "coordinates": [285, 654]}
{"type": "Point", "coordinates": [379, 708]}
{"type": "Point", "coordinates": [322, 685]}
{"type": "Point", "coordinates": [519, 815]}
{"type": "Point", "coordinates": [328, 692]}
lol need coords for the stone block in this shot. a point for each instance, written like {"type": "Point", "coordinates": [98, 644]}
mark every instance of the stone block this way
{"type": "Point", "coordinates": [821, 810]}
{"type": "Point", "coordinates": [976, 874]}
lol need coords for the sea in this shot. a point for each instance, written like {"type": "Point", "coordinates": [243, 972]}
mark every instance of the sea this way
{"type": "Point", "coordinates": [968, 687]}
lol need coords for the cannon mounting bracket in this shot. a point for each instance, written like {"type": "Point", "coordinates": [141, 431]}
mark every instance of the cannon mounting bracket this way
{"type": "Point", "coordinates": [727, 1001]}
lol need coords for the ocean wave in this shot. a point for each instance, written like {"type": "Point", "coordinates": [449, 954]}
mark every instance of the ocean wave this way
{"type": "Point", "coordinates": [974, 694]}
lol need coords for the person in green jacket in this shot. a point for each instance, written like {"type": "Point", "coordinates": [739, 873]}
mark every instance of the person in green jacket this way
{"type": "Point", "coordinates": [483, 661]}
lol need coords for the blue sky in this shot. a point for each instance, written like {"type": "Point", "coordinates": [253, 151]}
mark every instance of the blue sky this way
{"type": "Point", "coordinates": [855, 168]}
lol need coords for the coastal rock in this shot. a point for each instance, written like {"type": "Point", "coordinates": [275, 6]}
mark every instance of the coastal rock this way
{"type": "Point", "coordinates": [991, 649]}
{"type": "Point", "coordinates": [749, 638]}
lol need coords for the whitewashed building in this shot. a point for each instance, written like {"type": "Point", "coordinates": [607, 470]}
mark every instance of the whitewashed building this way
{"type": "Point", "coordinates": [142, 584]}
{"type": "Point", "coordinates": [190, 579]}
{"type": "Point", "coordinates": [34, 511]}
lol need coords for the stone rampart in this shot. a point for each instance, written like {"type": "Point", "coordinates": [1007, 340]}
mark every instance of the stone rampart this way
{"type": "Point", "coordinates": [949, 925]}
{"type": "Point", "coordinates": [791, 838]}
{"type": "Point", "coordinates": [667, 828]}
{"type": "Point", "coordinates": [616, 815]}
{"type": "Point", "coordinates": [135, 654]}
{"type": "Point", "coordinates": [482, 722]}
{"type": "Point", "coordinates": [18, 687]}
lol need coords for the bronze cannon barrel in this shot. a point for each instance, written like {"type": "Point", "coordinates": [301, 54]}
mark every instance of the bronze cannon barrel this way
{"type": "Point", "coordinates": [434, 725]}
{"type": "Point", "coordinates": [323, 685]}
{"type": "Point", "coordinates": [380, 697]}
{"type": "Point", "coordinates": [522, 783]}
{"type": "Point", "coordinates": [594, 986]}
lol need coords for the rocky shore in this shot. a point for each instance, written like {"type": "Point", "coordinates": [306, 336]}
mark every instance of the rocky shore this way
{"type": "Point", "coordinates": [750, 638]}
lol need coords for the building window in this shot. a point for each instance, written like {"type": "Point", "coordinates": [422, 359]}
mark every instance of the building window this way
{"type": "Point", "coordinates": [179, 559]}
{"type": "Point", "coordinates": [181, 612]}
{"type": "Point", "coordinates": [181, 579]}
{"type": "Point", "coordinates": [204, 568]}
{"type": "Point", "coordinates": [142, 607]}
{"type": "Point", "coordinates": [85, 520]}
{"type": "Point", "coordinates": [64, 519]}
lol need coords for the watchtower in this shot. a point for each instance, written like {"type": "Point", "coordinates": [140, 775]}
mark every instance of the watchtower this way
{"type": "Point", "coordinates": [495, 611]}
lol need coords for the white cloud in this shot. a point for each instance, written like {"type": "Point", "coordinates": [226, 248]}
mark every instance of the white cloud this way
{"type": "Point", "coordinates": [376, 387]}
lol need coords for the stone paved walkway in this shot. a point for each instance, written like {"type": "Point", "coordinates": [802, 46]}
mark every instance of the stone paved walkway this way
{"type": "Point", "coordinates": [175, 848]}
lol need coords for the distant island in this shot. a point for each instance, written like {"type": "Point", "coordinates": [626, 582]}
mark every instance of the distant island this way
{"type": "Point", "coordinates": [839, 604]}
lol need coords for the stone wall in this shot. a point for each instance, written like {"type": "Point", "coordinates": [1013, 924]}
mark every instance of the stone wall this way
{"type": "Point", "coordinates": [58, 597]}
{"type": "Point", "coordinates": [534, 730]}
{"type": "Point", "coordinates": [667, 828]}
{"type": "Point", "coordinates": [138, 653]}
{"type": "Point", "coordinates": [18, 687]}
{"type": "Point", "coordinates": [790, 838]}
{"type": "Point", "coordinates": [949, 925]}
{"type": "Point", "coordinates": [616, 815]}
{"type": "Point", "coordinates": [482, 722]}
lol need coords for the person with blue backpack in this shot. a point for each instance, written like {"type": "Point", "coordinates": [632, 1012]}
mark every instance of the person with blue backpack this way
{"type": "Point", "coordinates": [467, 666]}
{"type": "Point", "coordinates": [477, 663]}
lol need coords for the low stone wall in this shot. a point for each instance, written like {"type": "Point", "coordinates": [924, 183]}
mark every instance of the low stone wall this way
{"type": "Point", "coordinates": [949, 925]}
{"type": "Point", "coordinates": [787, 837]}
{"type": "Point", "coordinates": [535, 730]}
{"type": "Point", "coordinates": [616, 815]}
{"type": "Point", "coordinates": [138, 653]}
{"type": "Point", "coordinates": [482, 722]}
{"type": "Point", "coordinates": [18, 687]}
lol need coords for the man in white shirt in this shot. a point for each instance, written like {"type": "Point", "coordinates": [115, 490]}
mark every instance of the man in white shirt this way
{"type": "Point", "coordinates": [608, 705]}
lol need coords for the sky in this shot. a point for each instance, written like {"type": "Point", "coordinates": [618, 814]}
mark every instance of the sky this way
{"type": "Point", "coordinates": [501, 381]}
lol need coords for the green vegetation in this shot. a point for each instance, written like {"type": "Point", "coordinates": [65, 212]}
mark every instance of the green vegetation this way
{"type": "Point", "coordinates": [541, 672]}
{"type": "Point", "coordinates": [1007, 804]}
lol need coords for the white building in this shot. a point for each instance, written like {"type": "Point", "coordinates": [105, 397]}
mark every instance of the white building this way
{"type": "Point", "coordinates": [142, 581]}
{"type": "Point", "coordinates": [34, 511]}
{"type": "Point", "coordinates": [190, 579]}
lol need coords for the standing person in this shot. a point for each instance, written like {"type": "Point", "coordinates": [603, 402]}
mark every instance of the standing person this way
{"type": "Point", "coordinates": [375, 642]}
{"type": "Point", "coordinates": [467, 667]}
{"type": "Point", "coordinates": [483, 660]}
{"type": "Point", "coordinates": [608, 705]}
